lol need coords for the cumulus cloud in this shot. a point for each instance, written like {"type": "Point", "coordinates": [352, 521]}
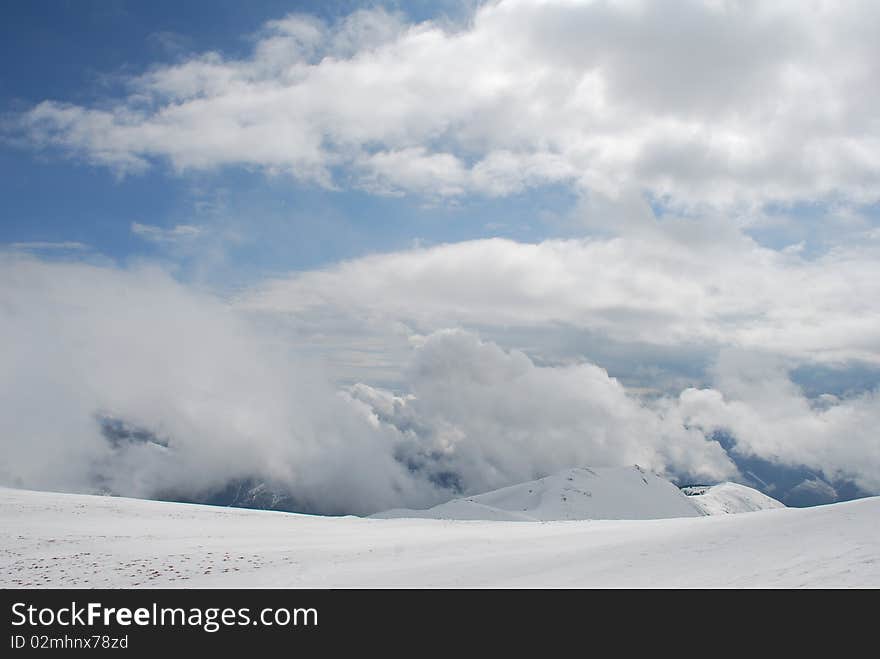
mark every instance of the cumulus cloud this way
{"type": "Point", "coordinates": [125, 380]}
{"type": "Point", "coordinates": [756, 402]}
{"type": "Point", "coordinates": [478, 405]}
{"type": "Point", "coordinates": [675, 285]}
{"type": "Point", "coordinates": [82, 343]}
{"type": "Point", "coordinates": [486, 418]}
{"type": "Point", "coordinates": [700, 102]}
{"type": "Point", "coordinates": [216, 400]}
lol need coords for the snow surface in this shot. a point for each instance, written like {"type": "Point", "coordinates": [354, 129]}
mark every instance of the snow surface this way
{"type": "Point", "coordinates": [728, 498]}
{"type": "Point", "coordinates": [609, 493]}
{"type": "Point", "coordinates": [57, 540]}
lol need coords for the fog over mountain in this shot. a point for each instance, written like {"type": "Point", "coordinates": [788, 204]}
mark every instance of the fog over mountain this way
{"type": "Point", "coordinates": [126, 381]}
{"type": "Point", "coordinates": [365, 256]}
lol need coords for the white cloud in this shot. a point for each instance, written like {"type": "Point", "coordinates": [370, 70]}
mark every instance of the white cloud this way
{"type": "Point", "coordinates": [491, 418]}
{"type": "Point", "coordinates": [162, 235]}
{"type": "Point", "coordinates": [677, 284]}
{"type": "Point", "coordinates": [79, 340]}
{"type": "Point", "coordinates": [698, 102]}
{"type": "Point", "coordinates": [229, 400]}
{"type": "Point", "coordinates": [771, 418]}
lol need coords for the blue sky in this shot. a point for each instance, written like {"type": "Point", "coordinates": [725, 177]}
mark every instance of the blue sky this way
{"type": "Point", "coordinates": [77, 52]}
{"type": "Point", "coordinates": [82, 52]}
{"type": "Point", "coordinates": [661, 226]}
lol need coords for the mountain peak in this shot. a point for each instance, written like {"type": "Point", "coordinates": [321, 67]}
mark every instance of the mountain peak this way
{"type": "Point", "coordinates": [576, 493]}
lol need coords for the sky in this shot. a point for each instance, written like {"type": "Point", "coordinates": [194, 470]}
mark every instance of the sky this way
{"type": "Point", "coordinates": [382, 254]}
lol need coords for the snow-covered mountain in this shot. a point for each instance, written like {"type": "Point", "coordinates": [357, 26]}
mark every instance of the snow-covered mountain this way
{"type": "Point", "coordinates": [581, 493]}
{"type": "Point", "coordinates": [49, 539]}
{"type": "Point", "coordinates": [726, 498]}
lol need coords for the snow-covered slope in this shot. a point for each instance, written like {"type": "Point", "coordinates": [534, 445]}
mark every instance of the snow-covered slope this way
{"type": "Point", "coordinates": [610, 493]}
{"type": "Point", "coordinates": [67, 540]}
{"type": "Point", "coordinates": [727, 498]}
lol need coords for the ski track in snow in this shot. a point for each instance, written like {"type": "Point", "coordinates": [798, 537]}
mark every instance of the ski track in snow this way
{"type": "Point", "coordinates": [50, 539]}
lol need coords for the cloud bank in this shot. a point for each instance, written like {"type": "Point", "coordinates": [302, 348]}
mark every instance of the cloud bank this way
{"type": "Point", "coordinates": [756, 402]}
{"type": "Point", "coordinates": [124, 380]}
{"type": "Point", "coordinates": [81, 343]}
{"type": "Point", "coordinates": [678, 284]}
{"type": "Point", "coordinates": [706, 102]}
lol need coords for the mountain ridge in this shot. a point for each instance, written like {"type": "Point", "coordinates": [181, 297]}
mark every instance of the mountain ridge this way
{"type": "Point", "coordinates": [577, 493]}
